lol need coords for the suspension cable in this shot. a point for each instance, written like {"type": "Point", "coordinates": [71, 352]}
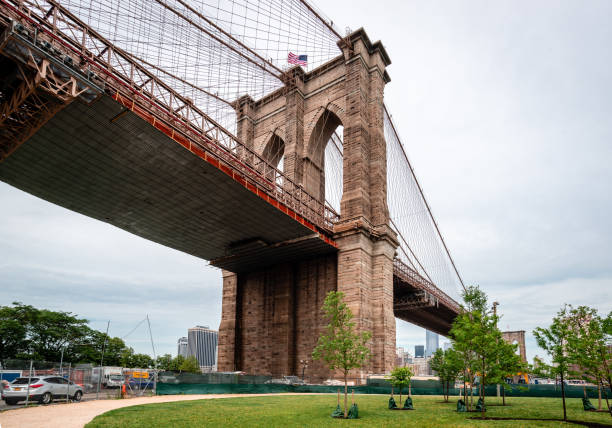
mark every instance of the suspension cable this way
{"type": "Point", "coordinates": [425, 200]}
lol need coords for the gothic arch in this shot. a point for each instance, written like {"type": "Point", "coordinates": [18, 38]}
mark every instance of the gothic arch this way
{"type": "Point", "coordinates": [317, 119]}
{"type": "Point", "coordinates": [324, 123]}
{"type": "Point", "coordinates": [274, 148]}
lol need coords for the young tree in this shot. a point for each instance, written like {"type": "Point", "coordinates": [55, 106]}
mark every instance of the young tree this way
{"type": "Point", "coordinates": [554, 340]}
{"type": "Point", "coordinates": [447, 365]}
{"type": "Point", "coordinates": [465, 333]}
{"type": "Point", "coordinates": [486, 342]}
{"type": "Point", "coordinates": [588, 345]}
{"type": "Point", "coordinates": [399, 378]}
{"type": "Point", "coordinates": [508, 364]}
{"type": "Point", "coordinates": [437, 365]}
{"type": "Point", "coordinates": [340, 346]}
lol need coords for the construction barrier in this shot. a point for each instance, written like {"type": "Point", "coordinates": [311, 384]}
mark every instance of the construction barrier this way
{"type": "Point", "coordinates": [220, 383]}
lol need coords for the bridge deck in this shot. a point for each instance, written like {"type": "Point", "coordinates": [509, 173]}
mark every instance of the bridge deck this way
{"type": "Point", "coordinates": [107, 163]}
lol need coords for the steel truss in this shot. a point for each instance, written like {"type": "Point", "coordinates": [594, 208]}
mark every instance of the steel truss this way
{"type": "Point", "coordinates": [428, 292]}
{"type": "Point", "coordinates": [417, 300]}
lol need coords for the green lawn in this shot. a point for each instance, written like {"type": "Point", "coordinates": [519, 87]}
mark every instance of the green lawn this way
{"type": "Point", "coordinates": [314, 411]}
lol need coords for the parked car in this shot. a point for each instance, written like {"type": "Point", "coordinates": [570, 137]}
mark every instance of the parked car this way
{"type": "Point", "coordinates": [43, 389]}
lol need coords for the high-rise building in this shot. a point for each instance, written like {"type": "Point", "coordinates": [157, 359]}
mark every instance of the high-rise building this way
{"type": "Point", "coordinates": [419, 351]}
{"type": "Point", "coordinates": [182, 347]}
{"type": "Point", "coordinates": [202, 343]}
{"type": "Point", "coordinates": [447, 345]}
{"type": "Point", "coordinates": [431, 343]}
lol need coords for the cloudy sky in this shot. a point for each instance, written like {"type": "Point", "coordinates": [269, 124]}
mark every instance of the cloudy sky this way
{"type": "Point", "coordinates": [505, 110]}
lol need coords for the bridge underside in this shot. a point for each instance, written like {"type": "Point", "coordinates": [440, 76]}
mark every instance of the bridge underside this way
{"type": "Point", "coordinates": [107, 163]}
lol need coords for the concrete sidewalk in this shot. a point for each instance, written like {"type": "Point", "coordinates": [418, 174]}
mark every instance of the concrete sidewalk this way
{"type": "Point", "coordinates": [76, 415]}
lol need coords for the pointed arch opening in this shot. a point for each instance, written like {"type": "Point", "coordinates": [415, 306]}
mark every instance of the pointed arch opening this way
{"type": "Point", "coordinates": [274, 151]}
{"type": "Point", "coordinates": [323, 163]}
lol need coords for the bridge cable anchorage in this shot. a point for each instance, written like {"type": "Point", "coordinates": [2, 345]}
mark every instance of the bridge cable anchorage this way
{"type": "Point", "coordinates": [439, 234]}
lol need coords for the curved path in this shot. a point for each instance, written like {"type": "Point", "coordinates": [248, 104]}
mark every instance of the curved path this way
{"type": "Point", "coordinates": [76, 415]}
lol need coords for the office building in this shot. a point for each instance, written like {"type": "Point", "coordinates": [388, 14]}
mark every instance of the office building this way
{"type": "Point", "coordinates": [202, 343]}
{"type": "Point", "coordinates": [182, 347]}
{"type": "Point", "coordinates": [431, 343]}
{"type": "Point", "coordinates": [419, 351]}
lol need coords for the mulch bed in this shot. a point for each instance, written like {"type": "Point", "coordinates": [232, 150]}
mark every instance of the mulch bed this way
{"type": "Point", "coordinates": [583, 423]}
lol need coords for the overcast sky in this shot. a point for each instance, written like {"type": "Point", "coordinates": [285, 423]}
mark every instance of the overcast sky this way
{"type": "Point", "coordinates": [505, 110]}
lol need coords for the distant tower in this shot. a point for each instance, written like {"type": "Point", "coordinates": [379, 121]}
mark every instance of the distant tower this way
{"type": "Point", "coordinates": [431, 343]}
{"type": "Point", "coordinates": [182, 347]}
{"type": "Point", "coordinates": [202, 343]}
{"type": "Point", "coordinates": [419, 351]}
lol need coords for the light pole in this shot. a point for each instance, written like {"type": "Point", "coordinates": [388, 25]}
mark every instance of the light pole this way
{"type": "Point", "coordinates": [304, 364]}
{"type": "Point", "coordinates": [495, 315]}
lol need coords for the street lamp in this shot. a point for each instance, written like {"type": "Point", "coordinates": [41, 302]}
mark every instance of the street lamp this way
{"type": "Point", "coordinates": [304, 364]}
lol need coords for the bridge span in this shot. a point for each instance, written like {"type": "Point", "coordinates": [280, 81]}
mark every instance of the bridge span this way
{"type": "Point", "coordinates": [88, 126]}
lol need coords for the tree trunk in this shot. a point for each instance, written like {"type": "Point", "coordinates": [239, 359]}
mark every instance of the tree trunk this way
{"type": "Point", "coordinates": [563, 396]}
{"type": "Point", "coordinates": [607, 371]}
{"type": "Point", "coordinates": [345, 395]}
{"type": "Point", "coordinates": [503, 395]}
{"type": "Point", "coordinates": [607, 402]}
{"type": "Point", "coordinates": [472, 378]}
{"type": "Point", "coordinates": [598, 394]}
{"type": "Point", "coordinates": [482, 388]}
{"type": "Point", "coordinates": [465, 391]}
{"type": "Point", "coordinates": [400, 402]}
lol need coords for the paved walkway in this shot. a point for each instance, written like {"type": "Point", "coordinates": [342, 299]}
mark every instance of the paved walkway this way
{"type": "Point", "coordinates": [76, 415]}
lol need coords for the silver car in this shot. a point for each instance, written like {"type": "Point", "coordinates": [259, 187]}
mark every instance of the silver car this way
{"type": "Point", "coordinates": [43, 389]}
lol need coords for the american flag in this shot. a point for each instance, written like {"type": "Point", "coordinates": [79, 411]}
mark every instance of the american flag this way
{"type": "Point", "coordinates": [297, 59]}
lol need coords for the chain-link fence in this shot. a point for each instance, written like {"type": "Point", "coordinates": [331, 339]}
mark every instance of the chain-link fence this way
{"type": "Point", "coordinates": [27, 381]}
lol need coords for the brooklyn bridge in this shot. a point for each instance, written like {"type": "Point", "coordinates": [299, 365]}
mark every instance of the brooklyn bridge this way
{"type": "Point", "coordinates": [182, 122]}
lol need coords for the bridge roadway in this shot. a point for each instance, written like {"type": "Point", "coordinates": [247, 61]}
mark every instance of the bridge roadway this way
{"type": "Point", "coordinates": [101, 157]}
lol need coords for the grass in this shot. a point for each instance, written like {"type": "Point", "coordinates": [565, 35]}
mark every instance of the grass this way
{"type": "Point", "coordinates": [315, 410]}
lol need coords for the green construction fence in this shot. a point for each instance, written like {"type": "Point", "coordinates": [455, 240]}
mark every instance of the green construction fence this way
{"type": "Point", "coordinates": [220, 383]}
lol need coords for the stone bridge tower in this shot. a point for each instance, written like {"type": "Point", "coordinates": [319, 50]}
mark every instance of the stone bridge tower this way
{"type": "Point", "coordinates": [271, 318]}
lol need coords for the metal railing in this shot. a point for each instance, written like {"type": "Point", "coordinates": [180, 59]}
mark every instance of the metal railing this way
{"type": "Point", "coordinates": [124, 77]}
